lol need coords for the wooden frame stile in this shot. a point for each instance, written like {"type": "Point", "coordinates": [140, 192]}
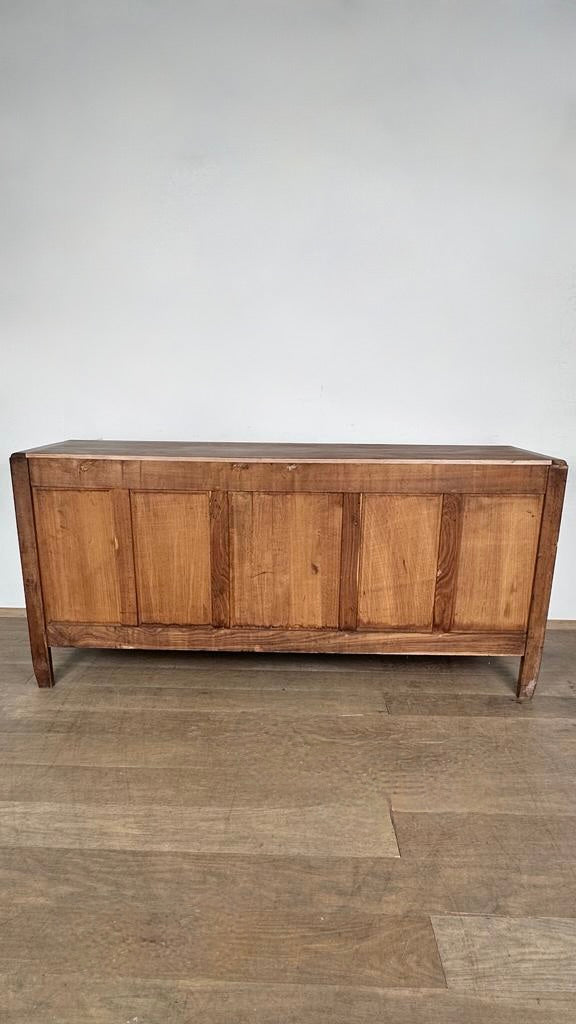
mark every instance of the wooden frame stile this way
{"type": "Point", "coordinates": [41, 654]}
{"type": "Point", "coordinates": [220, 558]}
{"type": "Point", "coordinates": [542, 583]}
{"type": "Point", "coordinates": [448, 551]}
{"type": "Point", "coordinates": [350, 560]}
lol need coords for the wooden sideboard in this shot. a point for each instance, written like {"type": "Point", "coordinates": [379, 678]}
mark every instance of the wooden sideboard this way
{"type": "Point", "coordinates": [284, 547]}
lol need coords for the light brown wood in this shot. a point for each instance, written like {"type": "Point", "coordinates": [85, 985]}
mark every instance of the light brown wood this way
{"type": "Point", "coordinates": [86, 556]}
{"type": "Point", "coordinates": [222, 694]}
{"type": "Point", "coordinates": [526, 841]}
{"type": "Point", "coordinates": [378, 476]}
{"type": "Point", "coordinates": [285, 557]}
{"type": "Point", "coordinates": [254, 638]}
{"type": "Point", "coordinates": [398, 558]}
{"type": "Point", "coordinates": [17, 612]}
{"type": "Point", "coordinates": [177, 883]}
{"type": "Point", "coordinates": [362, 830]}
{"type": "Point", "coordinates": [226, 450]}
{"type": "Point", "coordinates": [552, 513]}
{"type": "Point", "coordinates": [180, 1000]}
{"type": "Point", "coordinates": [172, 556]}
{"type": "Point", "coordinates": [41, 657]}
{"type": "Point", "coordinates": [349, 560]}
{"type": "Point", "coordinates": [496, 562]}
{"type": "Point", "coordinates": [351, 949]}
{"type": "Point", "coordinates": [506, 788]}
{"type": "Point", "coordinates": [484, 953]}
{"type": "Point", "coordinates": [483, 704]}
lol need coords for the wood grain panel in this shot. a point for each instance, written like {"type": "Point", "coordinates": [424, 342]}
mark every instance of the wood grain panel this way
{"type": "Point", "coordinates": [398, 557]}
{"type": "Point", "coordinates": [285, 559]}
{"type": "Point", "coordinates": [86, 556]}
{"type": "Point", "coordinates": [213, 696]}
{"type": "Point", "coordinates": [496, 562]}
{"type": "Point", "coordinates": [172, 553]}
{"type": "Point", "coordinates": [362, 830]}
{"type": "Point", "coordinates": [41, 656]}
{"type": "Point", "coordinates": [502, 789]}
{"type": "Point", "coordinates": [301, 946]}
{"type": "Point", "coordinates": [381, 477]}
{"type": "Point", "coordinates": [550, 528]}
{"type": "Point", "coordinates": [531, 840]}
{"type": "Point", "coordinates": [483, 704]}
{"type": "Point", "coordinates": [258, 638]}
{"type": "Point", "coordinates": [267, 452]}
{"type": "Point", "coordinates": [485, 954]}
{"type": "Point", "coordinates": [178, 883]}
{"type": "Point", "coordinates": [32, 991]}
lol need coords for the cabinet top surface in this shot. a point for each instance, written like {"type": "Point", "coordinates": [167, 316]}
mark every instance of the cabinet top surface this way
{"type": "Point", "coordinates": [213, 451]}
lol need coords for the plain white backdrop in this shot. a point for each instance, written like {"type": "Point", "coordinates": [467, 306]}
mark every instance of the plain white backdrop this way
{"type": "Point", "coordinates": [307, 220]}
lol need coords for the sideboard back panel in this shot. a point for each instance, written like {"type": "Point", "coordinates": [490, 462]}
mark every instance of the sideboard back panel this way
{"type": "Point", "coordinates": [373, 548]}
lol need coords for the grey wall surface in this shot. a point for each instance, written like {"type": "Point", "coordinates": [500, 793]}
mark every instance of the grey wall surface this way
{"type": "Point", "coordinates": [288, 220]}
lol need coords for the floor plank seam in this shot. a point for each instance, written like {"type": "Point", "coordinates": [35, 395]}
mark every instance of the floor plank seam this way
{"type": "Point", "coordinates": [394, 827]}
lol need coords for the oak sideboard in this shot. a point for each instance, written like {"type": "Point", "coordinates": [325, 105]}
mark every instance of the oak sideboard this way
{"type": "Point", "coordinates": [286, 547]}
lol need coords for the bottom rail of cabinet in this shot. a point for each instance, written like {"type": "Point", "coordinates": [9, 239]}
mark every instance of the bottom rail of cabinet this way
{"type": "Point", "coordinates": [252, 638]}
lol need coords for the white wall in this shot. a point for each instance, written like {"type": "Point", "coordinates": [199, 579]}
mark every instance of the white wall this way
{"type": "Point", "coordinates": [288, 220]}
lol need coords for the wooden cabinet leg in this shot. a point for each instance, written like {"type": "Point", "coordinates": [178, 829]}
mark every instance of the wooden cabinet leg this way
{"type": "Point", "coordinates": [529, 669]}
{"type": "Point", "coordinates": [542, 585]}
{"type": "Point", "coordinates": [41, 657]}
{"type": "Point", "coordinates": [42, 661]}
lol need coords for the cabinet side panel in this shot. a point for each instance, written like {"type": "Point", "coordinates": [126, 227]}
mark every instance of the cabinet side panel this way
{"type": "Point", "coordinates": [172, 554]}
{"type": "Point", "coordinates": [285, 559]}
{"type": "Point", "coordinates": [85, 553]}
{"type": "Point", "coordinates": [550, 528]}
{"type": "Point", "coordinates": [496, 561]}
{"type": "Point", "coordinates": [398, 558]}
{"type": "Point", "coordinates": [40, 651]}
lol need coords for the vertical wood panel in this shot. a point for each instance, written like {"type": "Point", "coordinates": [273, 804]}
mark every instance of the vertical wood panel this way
{"type": "Point", "coordinates": [85, 551]}
{"type": "Point", "coordinates": [220, 558]}
{"type": "Point", "coordinates": [450, 536]}
{"type": "Point", "coordinates": [399, 551]}
{"type": "Point", "coordinates": [496, 562]}
{"type": "Point", "coordinates": [349, 561]}
{"type": "Point", "coordinates": [542, 586]}
{"type": "Point", "coordinates": [124, 548]}
{"type": "Point", "coordinates": [172, 548]}
{"type": "Point", "coordinates": [285, 558]}
{"type": "Point", "coordinates": [41, 657]}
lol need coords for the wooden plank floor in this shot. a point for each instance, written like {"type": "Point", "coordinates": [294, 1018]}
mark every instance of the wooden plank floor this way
{"type": "Point", "coordinates": [286, 839]}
